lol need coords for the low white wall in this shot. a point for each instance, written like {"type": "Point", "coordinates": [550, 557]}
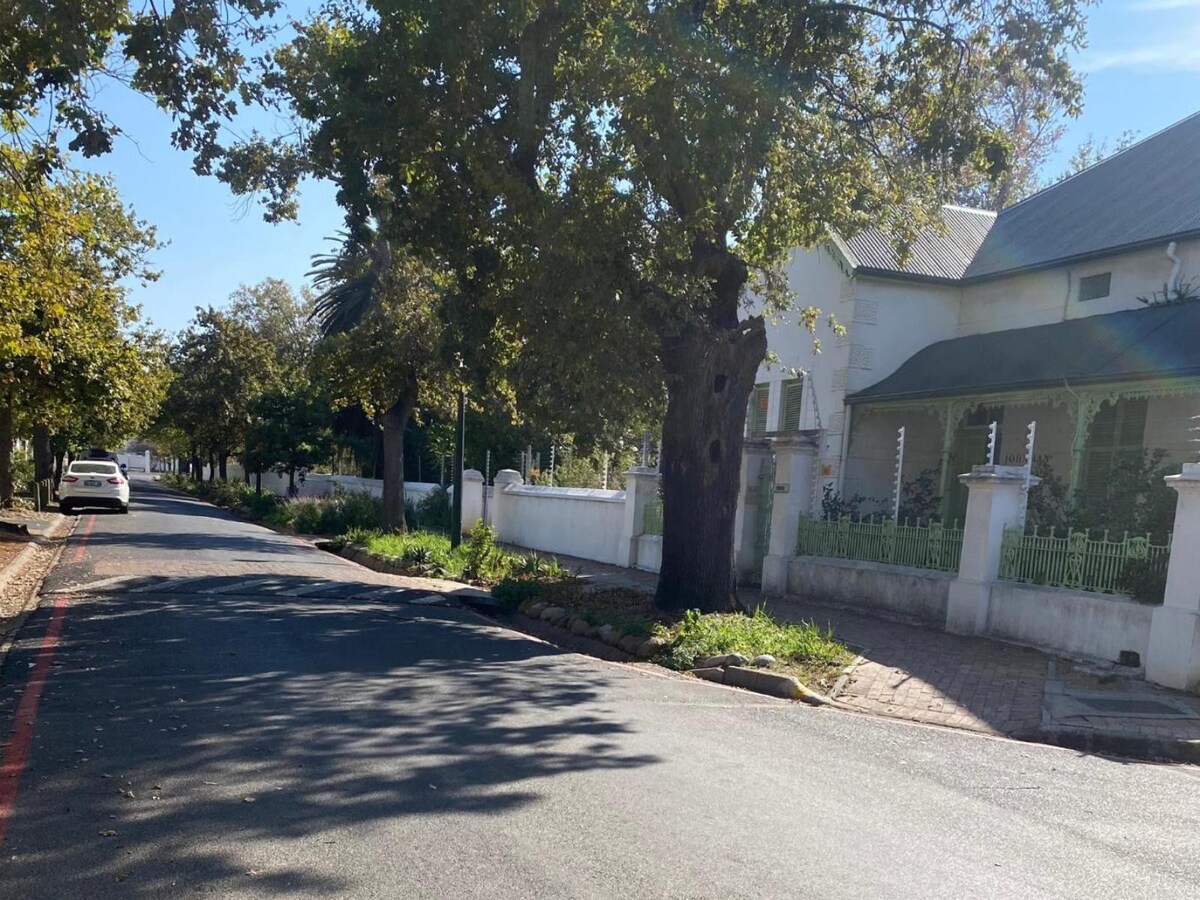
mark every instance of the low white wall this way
{"type": "Point", "coordinates": [1075, 622]}
{"type": "Point", "coordinates": [919, 593]}
{"type": "Point", "coordinates": [649, 553]}
{"type": "Point", "coordinates": [317, 484]}
{"type": "Point", "coordinates": [573, 521]}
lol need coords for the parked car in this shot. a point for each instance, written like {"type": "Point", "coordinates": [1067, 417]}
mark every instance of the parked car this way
{"type": "Point", "coordinates": [93, 482]}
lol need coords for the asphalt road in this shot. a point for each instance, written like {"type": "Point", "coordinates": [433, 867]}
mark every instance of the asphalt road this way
{"type": "Point", "coordinates": [219, 716]}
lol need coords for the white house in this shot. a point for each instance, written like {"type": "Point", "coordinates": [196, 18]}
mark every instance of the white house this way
{"type": "Point", "coordinates": [1037, 313]}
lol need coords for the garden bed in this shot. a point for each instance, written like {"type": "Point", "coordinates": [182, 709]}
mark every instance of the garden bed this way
{"type": "Point", "coordinates": [629, 620]}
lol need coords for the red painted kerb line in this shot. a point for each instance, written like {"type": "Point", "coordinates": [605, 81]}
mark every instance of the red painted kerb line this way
{"type": "Point", "coordinates": [83, 538]}
{"type": "Point", "coordinates": [17, 752]}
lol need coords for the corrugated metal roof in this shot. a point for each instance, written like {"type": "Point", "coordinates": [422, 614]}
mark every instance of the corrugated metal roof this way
{"type": "Point", "coordinates": [1157, 341]}
{"type": "Point", "coordinates": [934, 254]}
{"type": "Point", "coordinates": [1149, 192]}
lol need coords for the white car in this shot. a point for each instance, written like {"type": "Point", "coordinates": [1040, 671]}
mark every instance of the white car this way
{"type": "Point", "coordinates": [93, 482]}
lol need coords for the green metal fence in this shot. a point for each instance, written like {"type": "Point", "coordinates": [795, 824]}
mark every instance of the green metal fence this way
{"type": "Point", "coordinates": [1075, 559]}
{"type": "Point", "coordinates": [652, 518]}
{"type": "Point", "coordinates": [928, 545]}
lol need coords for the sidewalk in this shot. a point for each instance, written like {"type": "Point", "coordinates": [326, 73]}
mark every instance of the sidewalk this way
{"type": "Point", "coordinates": [921, 674]}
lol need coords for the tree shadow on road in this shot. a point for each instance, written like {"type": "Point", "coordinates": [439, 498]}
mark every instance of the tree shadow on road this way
{"type": "Point", "coordinates": [211, 733]}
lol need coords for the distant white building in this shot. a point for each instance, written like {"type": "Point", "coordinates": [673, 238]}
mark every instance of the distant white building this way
{"type": "Point", "coordinates": [1038, 313]}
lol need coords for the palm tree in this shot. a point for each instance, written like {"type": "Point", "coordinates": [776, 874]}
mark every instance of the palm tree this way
{"type": "Point", "coordinates": [352, 283]}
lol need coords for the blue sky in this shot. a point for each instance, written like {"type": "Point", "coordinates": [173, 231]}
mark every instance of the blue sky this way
{"type": "Point", "coordinates": [1142, 72]}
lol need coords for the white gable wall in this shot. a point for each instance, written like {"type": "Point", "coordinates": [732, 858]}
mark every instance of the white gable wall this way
{"type": "Point", "coordinates": [1042, 298]}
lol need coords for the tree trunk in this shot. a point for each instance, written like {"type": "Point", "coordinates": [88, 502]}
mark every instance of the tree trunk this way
{"type": "Point", "coordinates": [258, 484]}
{"type": "Point", "coordinates": [60, 446]}
{"type": "Point", "coordinates": [43, 463]}
{"type": "Point", "coordinates": [395, 421]}
{"type": "Point", "coordinates": [291, 491]}
{"type": "Point", "coordinates": [212, 466]}
{"type": "Point", "coordinates": [223, 465]}
{"type": "Point", "coordinates": [6, 452]}
{"type": "Point", "coordinates": [710, 374]}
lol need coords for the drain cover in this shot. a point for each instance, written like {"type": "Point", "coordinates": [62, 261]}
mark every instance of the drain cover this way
{"type": "Point", "coordinates": [1132, 706]}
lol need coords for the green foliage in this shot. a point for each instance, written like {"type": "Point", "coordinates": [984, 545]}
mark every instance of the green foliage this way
{"type": "Point", "coordinates": [836, 506]}
{"type": "Point", "coordinates": [1050, 499]}
{"type": "Point", "coordinates": [1134, 498]}
{"type": "Point", "coordinates": [1145, 579]}
{"type": "Point", "coordinates": [531, 576]}
{"type": "Point", "coordinates": [333, 515]}
{"type": "Point", "coordinates": [189, 55]}
{"type": "Point", "coordinates": [431, 512]}
{"type": "Point", "coordinates": [477, 560]}
{"type": "Point", "coordinates": [697, 635]}
{"type": "Point", "coordinates": [919, 499]}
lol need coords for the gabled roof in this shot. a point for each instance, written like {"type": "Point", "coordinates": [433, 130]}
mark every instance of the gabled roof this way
{"type": "Point", "coordinates": [1152, 342]}
{"type": "Point", "coordinates": [941, 254]}
{"type": "Point", "coordinates": [1147, 193]}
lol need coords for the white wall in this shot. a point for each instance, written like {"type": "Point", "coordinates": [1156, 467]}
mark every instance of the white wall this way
{"type": "Point", "coordinates": [1075, 622]}
{"type": "Point", "coordinates": [572, 521]}
{"type": "Point", "coordinates": [916, 593]}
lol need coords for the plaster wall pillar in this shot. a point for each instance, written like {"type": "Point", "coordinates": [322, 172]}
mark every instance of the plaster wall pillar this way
{"type": "Point", "coordinates": [641, 488]}
{"type": "Point", "coordinates": [795, 470]}
{"type": "Point", "coordinates": [472, 499]}
{"type": "Point", "coordinates": [505, 479]}
{"type": "Point", "coordinates": [1173, 657]}
{"type": "Point", "coordinates": [993, 504]}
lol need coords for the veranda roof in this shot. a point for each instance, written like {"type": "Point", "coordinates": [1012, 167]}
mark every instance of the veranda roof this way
{"type": "Point", "coordinates": [1138, 344]}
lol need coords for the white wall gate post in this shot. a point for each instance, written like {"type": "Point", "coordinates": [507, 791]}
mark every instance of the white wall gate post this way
{"type": "Point", "coordinates": [472, 499]}
{"type": "Point", "coordinates": [504, 479]}
{"type": "Point", "coordinates": [994, 502]}
{"type": "Point", "coordinates": [641, 487]}
{"type": "Point", "coordinates": [1173, 657]}
{"type": "Point", "coordinates": [795, 469]}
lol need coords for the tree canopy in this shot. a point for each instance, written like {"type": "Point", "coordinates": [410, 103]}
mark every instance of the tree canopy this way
{"type": "Point", "coordinates": [629, 173]}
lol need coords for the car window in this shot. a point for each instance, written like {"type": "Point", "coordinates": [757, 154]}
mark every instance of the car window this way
{"type": "Point", "coordinates": [93, 468]}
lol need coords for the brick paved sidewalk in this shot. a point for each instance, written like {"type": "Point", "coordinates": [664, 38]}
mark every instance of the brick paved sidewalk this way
{"type": "Point", "coordinates": [922, 674]}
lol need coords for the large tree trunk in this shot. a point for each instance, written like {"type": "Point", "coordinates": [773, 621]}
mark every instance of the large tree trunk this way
{"type": "Point", "coordinates": [395, 421]}
{"type": "Point", "coordinates": [212, 465]}
{"type": "Point", "coordinates": [6, 452]}
{"type": "Point", "coordinates": [43, 463]}
{"type": "Point", "coordinates": [710, 372]}
{"type": "Point", "coordinates": [223, 465]}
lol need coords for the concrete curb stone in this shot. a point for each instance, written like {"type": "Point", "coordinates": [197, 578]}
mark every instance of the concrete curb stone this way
{"type": "Point", "coordinates": [1112, 743]}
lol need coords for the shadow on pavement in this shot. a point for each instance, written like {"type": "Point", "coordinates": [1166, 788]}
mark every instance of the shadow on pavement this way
{"type": "Point", "coordinates": [210, 733]}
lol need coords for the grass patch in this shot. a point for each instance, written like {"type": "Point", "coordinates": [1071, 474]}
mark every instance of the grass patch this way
{"type": "Point", "coordinates": [803, 650]}
{"type": "Point", "coordinates": [478, 559]}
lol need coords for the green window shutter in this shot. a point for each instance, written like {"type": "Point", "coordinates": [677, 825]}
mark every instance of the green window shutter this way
{"type": "Point", "coordinates": [793, 397]}
{"type": "Point", "coordinates": [756, 418]}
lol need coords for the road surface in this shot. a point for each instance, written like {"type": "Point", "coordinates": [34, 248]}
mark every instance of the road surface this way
{"type": "Point", "coordinates": [212, 709]}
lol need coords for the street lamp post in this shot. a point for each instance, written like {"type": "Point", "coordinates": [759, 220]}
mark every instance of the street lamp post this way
{"type": "Point", "coordinates": [460, 432]}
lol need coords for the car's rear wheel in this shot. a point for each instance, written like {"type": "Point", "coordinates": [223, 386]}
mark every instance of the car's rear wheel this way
{"type": "Point", "coordinates": [65, 508]}
{"type": "Point", "coordinates": [123, 508]}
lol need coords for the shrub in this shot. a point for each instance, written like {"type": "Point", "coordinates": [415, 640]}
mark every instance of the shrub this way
{"type": "Point", "coordinates": [1145, 579]}
{"type": "Point", "coordinates": [432, 512]}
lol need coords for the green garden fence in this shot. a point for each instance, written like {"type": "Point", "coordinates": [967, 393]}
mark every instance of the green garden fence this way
{"type": "Point", "coordinates": [1075, 559]}
{"type": "Point", "coordinates": [920, 545]}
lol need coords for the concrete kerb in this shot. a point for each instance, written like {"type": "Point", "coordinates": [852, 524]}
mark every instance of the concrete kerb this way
{"type": "Point", "coordinates": [1119, 744]}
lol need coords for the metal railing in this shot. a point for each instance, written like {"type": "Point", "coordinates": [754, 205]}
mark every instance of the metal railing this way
{"type": "Point", "coordinates": [928, 545]}
{"type": "Point", "coordinates": [1075, 559]}
{"type": "Point", "coordinates": [652, 518]}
